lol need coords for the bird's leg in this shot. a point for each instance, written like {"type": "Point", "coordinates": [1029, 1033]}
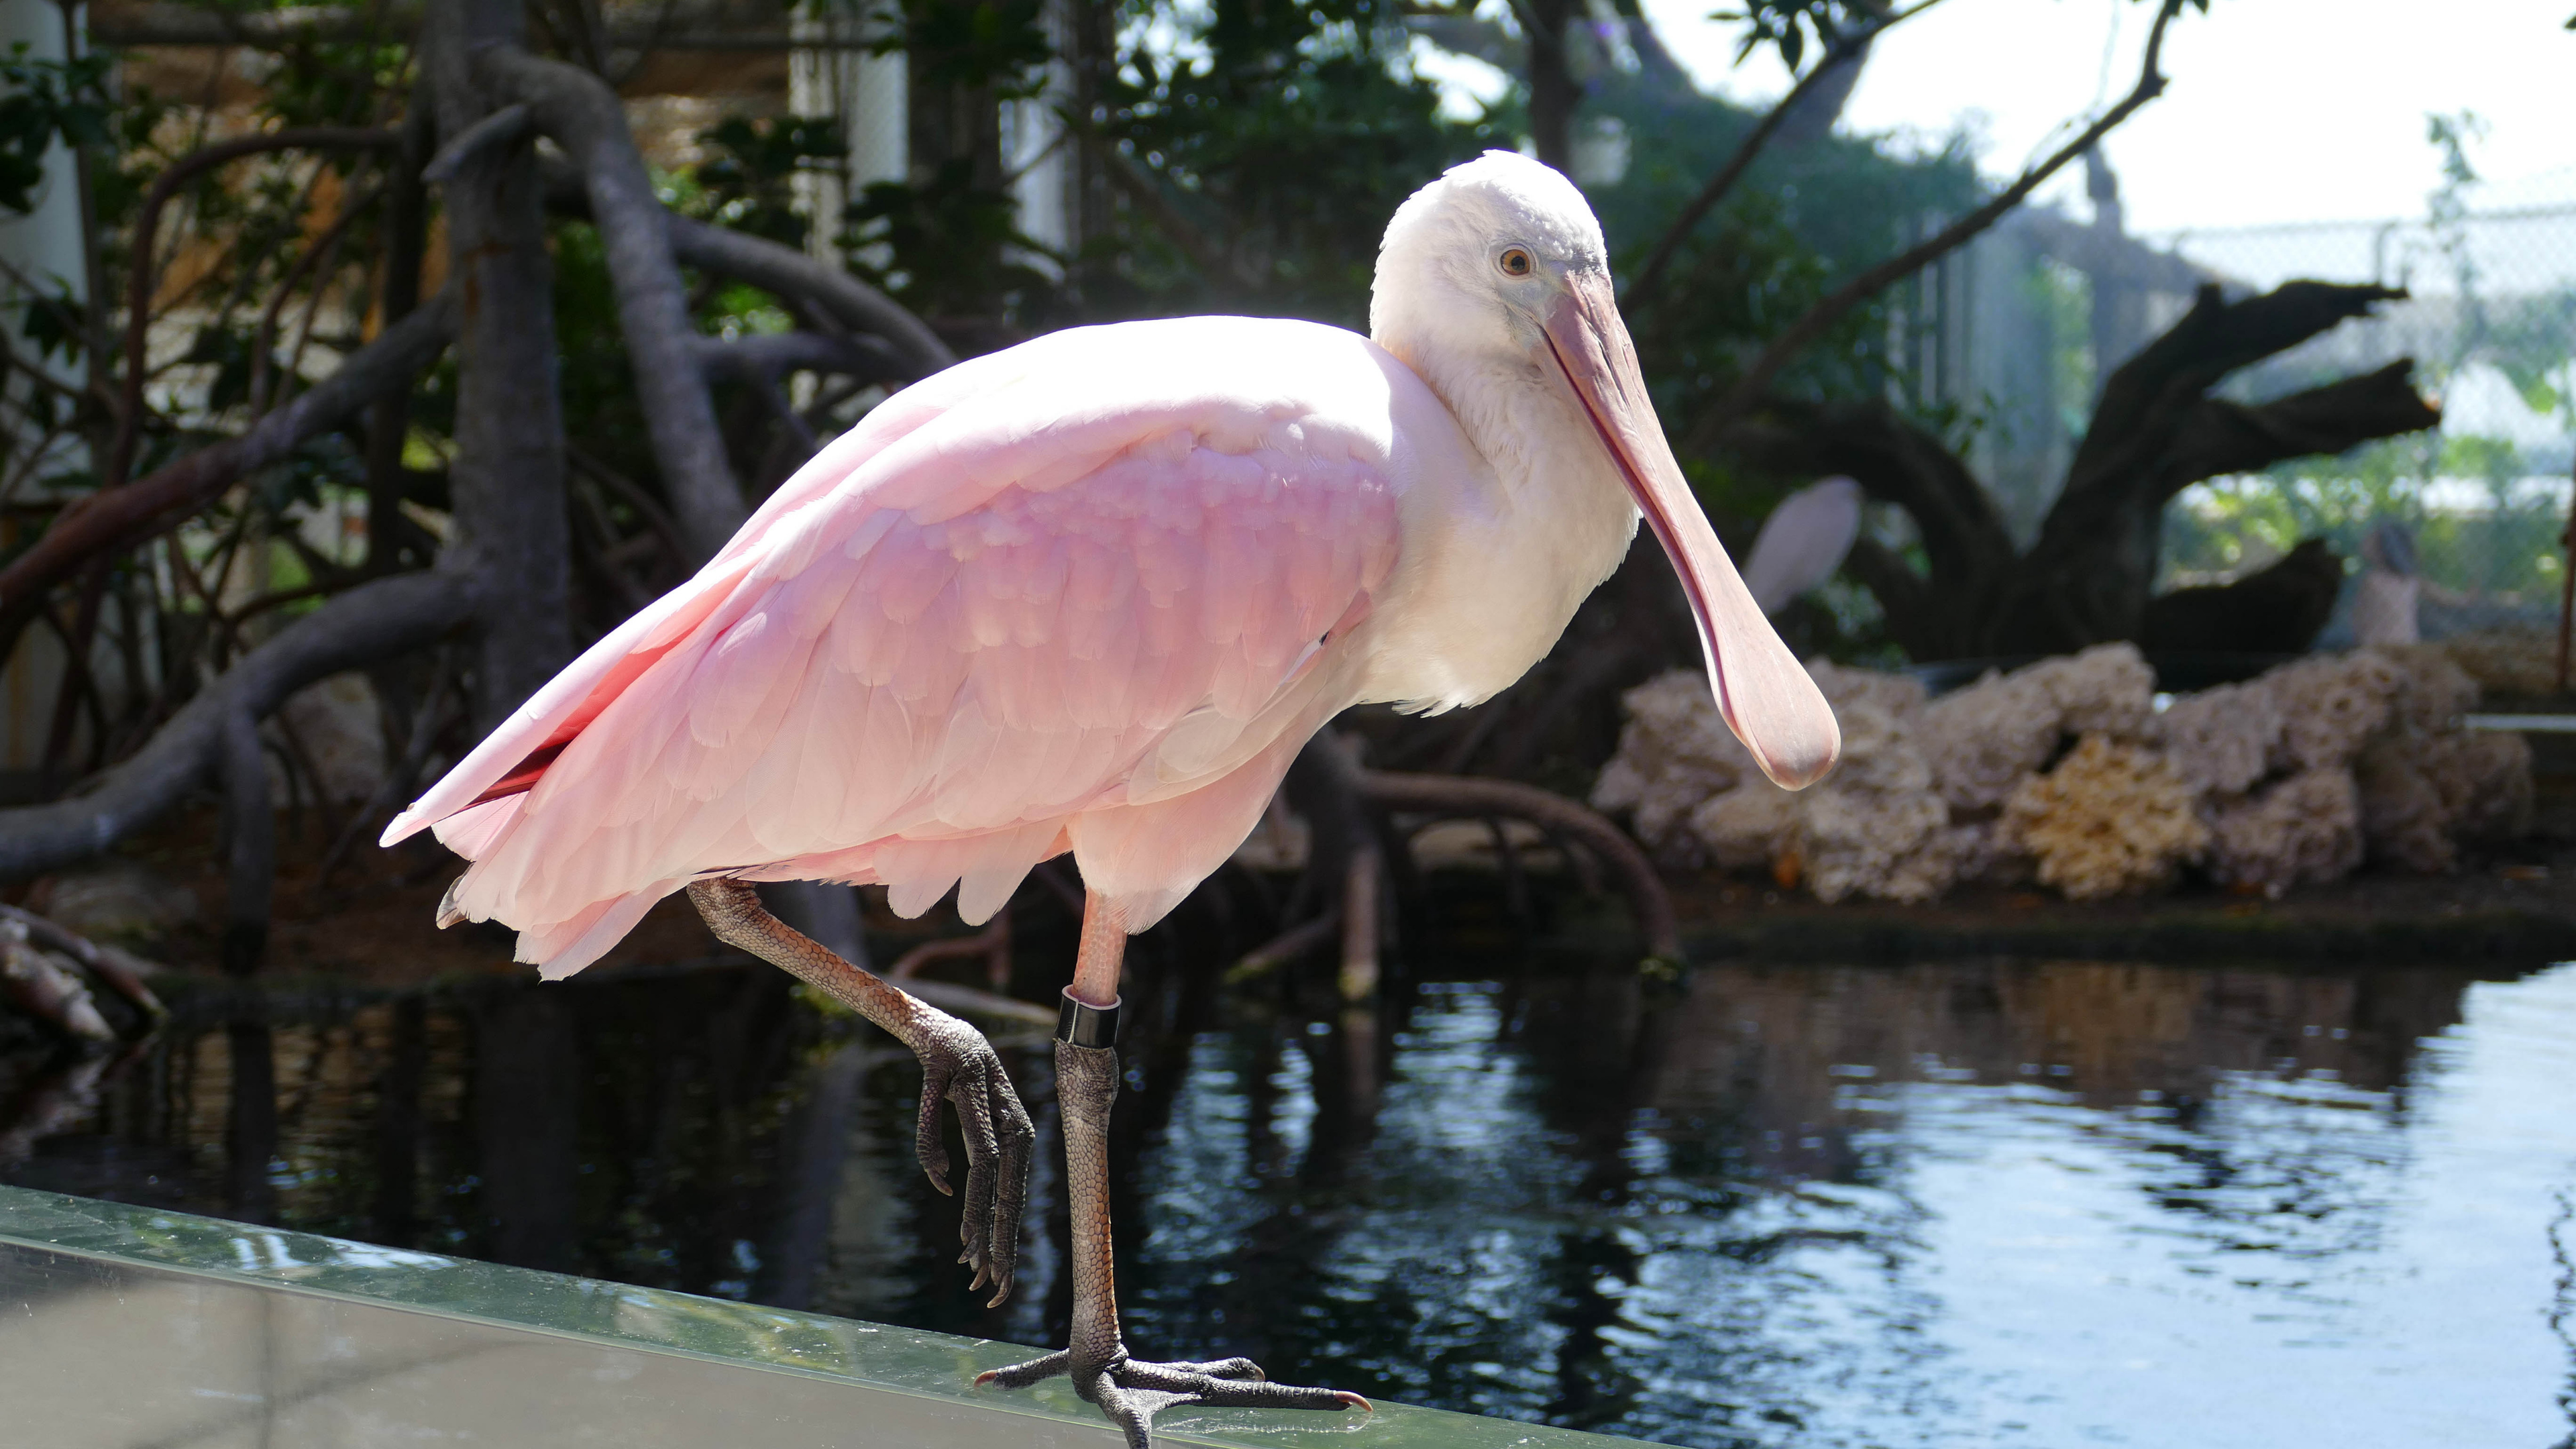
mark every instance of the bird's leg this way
{"type": "Point", "coordinates": [1130, 1391]}
{"type": "Point", "coordinates": [957, 1066]}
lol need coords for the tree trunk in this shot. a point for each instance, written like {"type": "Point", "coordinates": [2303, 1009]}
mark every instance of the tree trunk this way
{"type": "Point", "coordinates": [1553, 94]}
{"type": "Point", "coordinates": [512, 540]}
{"type": "Point", "coordinates": [2090, 574]}
{"type": "Point", "coordinates": [578, 111]}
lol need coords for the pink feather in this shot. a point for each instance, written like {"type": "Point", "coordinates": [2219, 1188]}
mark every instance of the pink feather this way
{"type": "Point", "coordinates": [945, 648]}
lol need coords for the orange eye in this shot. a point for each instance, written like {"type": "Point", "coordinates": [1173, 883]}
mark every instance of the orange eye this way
{"type": "Point", "coordinates": [1515, 262]}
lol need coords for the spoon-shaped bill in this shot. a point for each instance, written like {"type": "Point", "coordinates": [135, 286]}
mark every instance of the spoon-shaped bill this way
{"type": "Point", "coordinates": [1765, 697]}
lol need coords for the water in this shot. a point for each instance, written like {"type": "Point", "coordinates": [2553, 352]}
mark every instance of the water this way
{"type": "Point", "coordinates": [1960, 1203]}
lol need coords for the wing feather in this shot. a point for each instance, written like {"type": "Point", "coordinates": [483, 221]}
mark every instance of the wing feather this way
{"type": "Point", "coordinates": [951, 639]}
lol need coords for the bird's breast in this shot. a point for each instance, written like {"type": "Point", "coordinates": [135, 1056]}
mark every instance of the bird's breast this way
{"type": "Point", "coordinates": [1503, 537]}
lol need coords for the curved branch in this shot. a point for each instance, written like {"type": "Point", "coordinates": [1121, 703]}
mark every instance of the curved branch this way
{"type": "Point", "coordinates": [2221, 437]}
{"type": "Point", "coordinates": [2147, 396]}
{"type": "Point", "coordinates": [778, 269]}
{"type": "Point", "coordinates": [761, 357]}
{"type": "Point", "coordinates": [1650, 277]}
{"type": "Point", "coordinates": [584, 117]}
{"type": "Point", "coordinates": [147, 223]}
{"type": "Point", "coordinates": [1896, 461]}
{"type": "Point", "coordinates": [117, 518]}
{"type": "Point", "coordinates": [1748, 390]}
{"type": "Point", "coordinates": [359, 627]}
{"type": "Point", "coordinates": [1913, 620]}
{"type": "Point", "coordinates": [782, 269]}
{"type": "Point", "coordinates": [1471, 796]}
{"type": "Point", "coordinates": [122, 971]}
{"type": "Point", "coordinates": [501, 128]}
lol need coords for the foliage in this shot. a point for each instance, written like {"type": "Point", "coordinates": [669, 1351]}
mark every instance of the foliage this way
{"type": "Point", "coordinates": [1790, 26]}
{"type": "Point", "coordinates": [954, 248]}
{"type": "Point", "coordinates": [1286, 133]}
{"type": "Point", "coordinates": [748, 181]}
{"type": "Point", "coordinates": [47, 99]}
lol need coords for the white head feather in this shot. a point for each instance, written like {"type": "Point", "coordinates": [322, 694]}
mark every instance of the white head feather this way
{"type": "Point", "coordinates": [1439, 300]}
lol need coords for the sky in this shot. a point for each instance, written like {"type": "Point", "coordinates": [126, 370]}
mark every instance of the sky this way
{"type": "Point", "coordinates": [2277, 110]}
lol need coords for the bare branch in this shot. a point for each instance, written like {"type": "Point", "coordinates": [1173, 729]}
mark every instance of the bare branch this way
{"type": "Point", "coordinates": [121, 517]}
{"type": "Point", "coordinates": [584, 117]}
{"type": "Point", "coordinates": [656, 517]}
{"type": "Point", "coordinates": [503, 127]}
{"type": "Point", "coordinates": [2144, 398]}
{"type": "Point", "coordinates": [1749, 389]}
{"type": "Point", "coordinates": [359, 627]}
{"type": "Point", "coordinates": [782, 270]}
{"type": "Point", "coordinates": [250, 839]}
{"type": "Point", "coordinates": [123, 971]}
{"type": "Point", "coordinates": [2221, 437]}
{"type": "Point", "coordinates": [1896, 461]}
{"type": "Point", "coordinates": [774, 268]}
{"type": "Point", "coordinates": [147, 222]}
{"type": "Point", "coordinates": [1650, 277]}
{"type": "Point", "coordinates": [763, 357]}
{"type": "Point", "coordinates": [1476, 797]}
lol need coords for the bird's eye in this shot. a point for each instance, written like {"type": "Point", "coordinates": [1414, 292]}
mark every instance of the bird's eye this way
{"type": "Point", "coordinates": [1515, 262]}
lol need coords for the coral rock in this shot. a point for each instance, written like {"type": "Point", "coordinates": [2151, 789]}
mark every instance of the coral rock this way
{"type": "Point", "coordinates": [2222, 740]}
{"type": "Point", "coordinates": [2329, 706]}
{"type": "Point", "coordinates": [2304, 828]}
{"type": "Point", "coordinates": [2105, 690]}
{"type": "Point", "coordinates": [1674, 752]}
{"type": "Point", "coordinates": [2112, 818]}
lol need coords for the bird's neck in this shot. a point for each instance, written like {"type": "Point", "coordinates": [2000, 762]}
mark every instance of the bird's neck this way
{"type": "Point", "coordinates": [1519, 545]}
{"type": "Point", "coordinates": [1558, 480]}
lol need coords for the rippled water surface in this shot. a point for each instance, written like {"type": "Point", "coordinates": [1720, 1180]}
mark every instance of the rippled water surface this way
{"type": "Point", "coordinates": [1962, 1203]}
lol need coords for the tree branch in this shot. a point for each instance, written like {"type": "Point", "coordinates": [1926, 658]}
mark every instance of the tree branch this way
{"type": "Point", "coordinates": [584, 117]}
{"type": "Point", "coordinates": [503, 127]}
{"type": "Point", "coordinates": [1904, 596]}
{"type": "Point", "coordinates": [2221, 437]}
{"type": "Point", "coordinates": [147, 222]}
{"type": "Point", "coordinates": [782, 270]}
{"type": "Point", "coordinates": [358, 628]}
{"type": "Point", "coordinates": [774, 268]}
{"type": "Point", "coordinates": [2147, 395]}
{"type": "Point", "coordinates": [1749, 389]}
{"type": "Point", "coordinates": [1895, 461]}
{"type": "Point", "coordinates": [1650, 277]}
{"type": "Point", "coordinates": [1477, 796]}
{"type": "Point", "coordinates": [120, 517]}
{"type": "Point", "coordinates": [762, 357]}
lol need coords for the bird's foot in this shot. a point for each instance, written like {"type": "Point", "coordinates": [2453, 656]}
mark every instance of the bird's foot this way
{"type": "Point", "coordinates": [1131, 1391]}
{"type": "Point", "coordinates": [959, 1067]}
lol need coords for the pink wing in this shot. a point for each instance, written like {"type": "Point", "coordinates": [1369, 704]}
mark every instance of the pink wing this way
{"type": "Point", "coordinates": [1076, 595]}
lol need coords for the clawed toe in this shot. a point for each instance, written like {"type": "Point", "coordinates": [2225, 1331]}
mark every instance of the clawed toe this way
{"type": "Point", "coordinates": [1131, 1391]}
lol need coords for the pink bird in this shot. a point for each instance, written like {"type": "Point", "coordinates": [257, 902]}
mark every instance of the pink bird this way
{"type": "Point", "coordinates": [1092, 594]}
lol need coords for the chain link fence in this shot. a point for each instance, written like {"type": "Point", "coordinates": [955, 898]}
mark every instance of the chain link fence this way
{"type": "Point", "coordinates": [2490, 321]}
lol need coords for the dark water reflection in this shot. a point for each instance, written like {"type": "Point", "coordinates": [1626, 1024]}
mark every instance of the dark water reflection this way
{"type": "Point", "coordinates": [2019, 1203]}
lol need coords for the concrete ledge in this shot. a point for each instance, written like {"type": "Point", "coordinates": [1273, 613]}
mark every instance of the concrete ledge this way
{"type": "Point", "coordinates": [125, 1327]}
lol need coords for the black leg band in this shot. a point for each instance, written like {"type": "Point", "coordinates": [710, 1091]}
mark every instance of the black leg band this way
{"type": "Point", "coordinates": [1079, 1023]}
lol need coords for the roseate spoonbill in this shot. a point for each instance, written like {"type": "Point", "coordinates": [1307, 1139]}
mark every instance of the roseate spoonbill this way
{"type": "Point", "coordinates": [1802, 542]}
{"type": "Point", "coordinates": [1092, 594]}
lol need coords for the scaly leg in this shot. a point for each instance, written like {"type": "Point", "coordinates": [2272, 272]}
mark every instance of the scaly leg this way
{"type": "Point", "coordinates": [957, 1065]}
{"type": "Point", "coordinates": [1130, 1391]}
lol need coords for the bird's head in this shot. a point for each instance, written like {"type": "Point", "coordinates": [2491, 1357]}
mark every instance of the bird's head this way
{"type": "Point", "coordinates": [1499, 268]}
